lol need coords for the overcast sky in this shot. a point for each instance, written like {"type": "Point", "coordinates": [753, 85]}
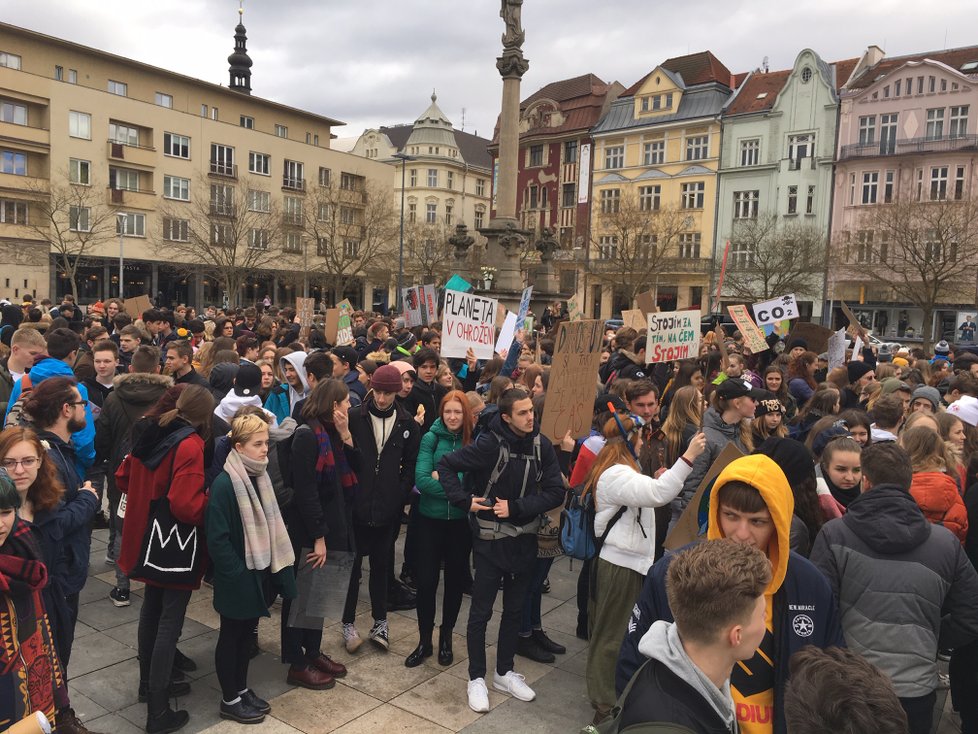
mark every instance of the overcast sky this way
{"type": "Point", "coordinates": [375, 62]}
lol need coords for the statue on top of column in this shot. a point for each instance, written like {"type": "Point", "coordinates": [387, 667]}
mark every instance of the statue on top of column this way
{"type": "Point", "coordinates": [510, 13]}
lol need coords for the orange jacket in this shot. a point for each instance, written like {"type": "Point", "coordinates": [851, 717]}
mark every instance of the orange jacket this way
{"type": "Point", "coordinates": [938, 497]}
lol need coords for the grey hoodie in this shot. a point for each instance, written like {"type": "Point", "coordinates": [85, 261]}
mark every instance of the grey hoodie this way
{"type": "Point", "coordinates": [297, 360]}
{"type": "Point", "coordinates": [662, 643]}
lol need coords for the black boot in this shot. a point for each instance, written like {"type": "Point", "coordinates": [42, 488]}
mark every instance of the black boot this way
{"type": "Point", "coordinates": [176, 688]}
{"type": "Point", "coordinates": [420, 654]}
{"type": "Point", "coordinates": [530, 648]}
{"type": "Point", "coordinates": [445, 655]}
{"type": "Point", "coordinates": [160, 718]}
{"type": "Point", "coordinates": [184, 663]}
{"type": "Point", "coordinates": [547, 644]}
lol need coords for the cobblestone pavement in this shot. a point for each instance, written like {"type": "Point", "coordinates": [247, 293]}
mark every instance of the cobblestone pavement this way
{"type": "Point", "coordinates": [378, 695]}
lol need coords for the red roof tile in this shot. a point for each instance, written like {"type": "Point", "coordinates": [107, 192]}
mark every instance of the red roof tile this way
{"type": "Point", "coordinates": [748, 100]}
{"type": "Point", "coordinates": [699, 68]}
{"type": "Point", "coordinates": [954, 58]}
{"type": "Point", "coordinates": [567, 89]}
{"type": "Point", "coordinates": [843, 70]}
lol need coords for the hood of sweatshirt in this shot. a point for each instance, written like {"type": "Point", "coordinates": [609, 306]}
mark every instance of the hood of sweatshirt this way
{"type": "Point", "coordinates": [888, 520]}
{"type": "Point", "coordinates": [662, 643]}
{"type": "Point", "coordinates": [231, 402]}
{"type": "Point", "coordinates": [49, 367]}
{"type": "Point", "coordinates": [761, 473]}
{"type": "Point", "coordinates": [712, 420]}
{"type": "Point", "coordinates": [297, 360]}
{"type": "Point", "coordinates": [140, 388]}
{"type": "Point", "coordinates": [154, 441]}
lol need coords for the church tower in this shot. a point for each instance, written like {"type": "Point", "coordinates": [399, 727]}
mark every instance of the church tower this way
{"type": "Point", "coordinates": [240, 62]}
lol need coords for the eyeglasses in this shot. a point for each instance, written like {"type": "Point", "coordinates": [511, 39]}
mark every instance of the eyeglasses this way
{"type": "Point", "coordinates": [28, 462]}
{"type": "Point", "coordinates": [77, 402]}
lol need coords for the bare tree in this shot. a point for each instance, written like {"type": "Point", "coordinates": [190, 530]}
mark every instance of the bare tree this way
{"type": "Point", "coordinates": [224, 231]}
{"type": "Point", "coordinates": [769, 258]}
{"type": "Point", "coordinates": [428, 255]}
{"type": "Point", "coordinates": [74, 220]}
{"type": "Point", "coordinates": [635, 239]}
{"type": "Point", "coordinates": [923, 251]}
{"type": "Point", "coordinates": [353, 233]}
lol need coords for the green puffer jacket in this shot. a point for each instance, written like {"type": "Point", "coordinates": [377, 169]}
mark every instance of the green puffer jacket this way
{"type": "Point", "coordinates": [435, 444]}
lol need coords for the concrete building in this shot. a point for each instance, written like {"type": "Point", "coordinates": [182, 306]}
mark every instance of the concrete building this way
{"type": "Point", "coordinates": [138, 150]}
{"type": "Point", "coordinates": [446, 183]}
{"type": "Point", "coordinates": [654, 186]}
{"type": "Point", "coordinates": [775, 189]}
{"type": "Point", "coordinates": [907, 133]}
{"type": "Point", "coordinates": [554, 168]}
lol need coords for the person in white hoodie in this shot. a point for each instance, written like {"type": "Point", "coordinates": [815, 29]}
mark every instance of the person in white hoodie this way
{"type": "Point", "coordinates": [625, 519]}
{"type": "Point", "coordinates": [716, 592]}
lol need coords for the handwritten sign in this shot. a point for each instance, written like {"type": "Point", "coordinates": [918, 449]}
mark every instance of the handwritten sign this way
{"type": "Point", "coordinates": [782, 308]}
{"type": "Point", "coordinates": [429, 307]}
{"type": "Point", "coordinates": [816, 336]}
{"type": "Point", "coordinates": [645, 302]}
{"type": "Point", "coordinates": [468, 322]}
{"type": "Point", "coordinates": [506, 334]}
{"type": "Point", "coordinates": [837, 349]}
{"type": "Point", "coordinates": [458, 283]}
{"type": "Point", "coordinates": [305, 308]}
{"type": "Point", "coordinates": [574, 312]}
{"type": "Point", "coordinates": [411, 305]}
{"type": "Point", "coordinates": [570, 395]}
{"type": "Point", "coordinates": [524, 304]}
{"type": "Point", "coordinates": [135, 306]}
{"type": "Point", "coordinates": [344, 325]}
{"type": "Point", "coordinates": [753, 336]}
{"type": "Point", "coordinates": [673, 335]}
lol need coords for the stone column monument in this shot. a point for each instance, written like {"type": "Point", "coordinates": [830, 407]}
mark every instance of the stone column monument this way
{"type": "Point", "coordinates": [505, 240]}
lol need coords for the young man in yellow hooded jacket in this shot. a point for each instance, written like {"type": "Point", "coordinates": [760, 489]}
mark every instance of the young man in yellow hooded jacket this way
{"type": "Point", "coordinates": [751, 502]}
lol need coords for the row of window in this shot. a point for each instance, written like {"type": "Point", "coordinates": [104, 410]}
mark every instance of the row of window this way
{"type": "Point", "coordinates": [535, 154]}
{"type": "Point", "coordinates": [654, 152]}
{"type": "Point", "coordinates": [956, 117]}
{"type": "Point", "coordinates": [923, 85]}
{"type": "Point", "coordinates": [649, 197]}
{"type": "Point", "coordinates": [800, 146]}
{"type": "Point", "coordinates": [746, 204]}
{"type": "Point", "coordinates": [941, 185]}
{"type": "Point", "coordinates": [867, 248]}
{"type": "Point", "coordinates": [431, 214]}
{"type": "Point", "coordinates": [432, 180]}
{"type": "Point", "coordinates": [688, 245]}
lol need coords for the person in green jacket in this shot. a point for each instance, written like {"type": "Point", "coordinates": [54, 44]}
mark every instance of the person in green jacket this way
{"type": "Point", "coordinates": [252, 557]}
{"type": "Point", "coordinates": [443, 535]}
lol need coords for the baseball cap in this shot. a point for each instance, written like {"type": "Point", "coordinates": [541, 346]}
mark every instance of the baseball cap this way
{"type": "Point", "coordinates": [734, 388]}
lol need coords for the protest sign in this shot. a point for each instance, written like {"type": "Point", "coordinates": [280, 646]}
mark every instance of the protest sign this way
{"type": "Point", "coordinates": [331, 325]}
{"type": "Point", "coordinates": [524, 308]}
{"type": "Point", "coordinates": [411, 306]}
{"type": "Point", "coordinates": [458, 283]}
{"type": "Point", "coordinates": [673, 335]}
{"type": "Point", "coordinates": [817, 337]}
{"type": "Point", "coordinates": [857, 328]}
{"type": "Point", "coordinates": [468, 323]}
{"type": "Point", "coordinates": [692, 524]}
{"type": "Point", "coordinates": [305, 308]}
{"type": "Point", "coordinates": [574, 312]}
{"type": "Point", "coordinates": [429, 305]}
{"type": "Point", "coordinates": [782, 308]}
{"type": "Point", "coordinates": [635, 318]}
{"type": "Point", "coordinates": [344, 325]}
{"type": "Point", "coordinates": [135, 306]}
{"type": "Point", "coordinates": [569, 404]}
{"type": "Point", "coordinates": [837, 349]}
{"type": "Point", "coordinates": [857, 349]}
{"type": "Point", "coordinates": [645, 302]}
{"type": "Point", "coordinates": [506, 334]}
{"type": "Point", "coordinates": [753, 336]}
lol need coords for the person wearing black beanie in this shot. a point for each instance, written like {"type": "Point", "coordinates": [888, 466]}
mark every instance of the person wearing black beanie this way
{"type": "Point", "coordinates": [860, 374]}
{"type": "Point", "coordinates": [798, 465]}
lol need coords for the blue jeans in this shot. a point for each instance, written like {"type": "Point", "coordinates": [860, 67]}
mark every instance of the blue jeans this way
{"type": "Point", "coordinates": [531, 605]}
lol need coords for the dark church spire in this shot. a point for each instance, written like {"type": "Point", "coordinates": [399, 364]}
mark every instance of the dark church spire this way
{"type": "Point", "coordinates": [240, 62]}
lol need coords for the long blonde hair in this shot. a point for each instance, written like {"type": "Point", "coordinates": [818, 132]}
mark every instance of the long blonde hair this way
{"type": "Point", "coordinates": [685, 409]}
{"type": "Point", "coordinates": [927, 450]}
{"type": "Point", "coordinates": [615, 451]}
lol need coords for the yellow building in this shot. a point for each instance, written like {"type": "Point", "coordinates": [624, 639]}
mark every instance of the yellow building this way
{"type": "Point", "coordinates": [654, 187]}
{"type": "Point", "coordinates": [103, 148]}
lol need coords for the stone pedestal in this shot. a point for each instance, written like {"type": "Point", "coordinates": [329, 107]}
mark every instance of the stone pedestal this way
{"type": "Point", "coordinates": [505, 244]}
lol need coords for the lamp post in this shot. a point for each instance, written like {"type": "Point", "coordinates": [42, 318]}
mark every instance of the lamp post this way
{"type": "Point", "coordinates": [121, 221]}
{"type": "Point", "coordinates": [404, 158]}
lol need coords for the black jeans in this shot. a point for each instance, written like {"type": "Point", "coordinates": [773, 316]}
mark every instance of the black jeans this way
{"type": "Point", "coordinates": [437, 542]}
{"type": "Point", "coordinates": [298, 643]}
{"type": "Point", "coordinates": [964, 685]}
{"type": "Point", "coordinates": [920, 712]}
{"type": "Point", "coordinates": [373, 542]}
{"type": "Point", "coordinates": [232, 655]}
{"type": "Point", "coordinates": [489, 569]}
{"type": "Point", "coordinates": [160, 626]}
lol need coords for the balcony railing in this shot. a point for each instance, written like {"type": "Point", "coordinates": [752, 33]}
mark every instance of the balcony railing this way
{"type": "Point", "coordinates": [219, 168]}
{"type": "Point", "coordinates": [666, 265]}
{"type": "Point", "coordinates": [294, 184]}
{"type": "Point", "coordinates": [910, 146]}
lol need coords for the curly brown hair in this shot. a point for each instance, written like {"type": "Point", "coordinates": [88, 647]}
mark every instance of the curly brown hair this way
{"type": "Point", "coordinates": [47, 489]}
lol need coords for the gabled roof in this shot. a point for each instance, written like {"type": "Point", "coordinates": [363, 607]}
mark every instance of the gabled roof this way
{"type": "Point", "coordinates": [567, 89]}
{"type": "Point", "coordinates": [955, 58]}
{"type": "Point", "coordinates": [706, 100]}
{"type": "Point", "coordinates": [758, 93]}
{"type": "Point", "coordinates": [698, 68]}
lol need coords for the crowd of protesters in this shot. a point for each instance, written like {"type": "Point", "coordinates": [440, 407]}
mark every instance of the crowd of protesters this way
{"type": "Point", "coordinates": [832, 558]}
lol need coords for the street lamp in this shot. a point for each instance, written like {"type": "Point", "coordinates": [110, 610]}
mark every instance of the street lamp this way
{"type": "Point", "coordinates": [404, 158]}
{"type": "Point", "coordinates": [121, 222]}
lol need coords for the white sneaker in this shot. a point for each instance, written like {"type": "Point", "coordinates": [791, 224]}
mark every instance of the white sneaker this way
{"type": "Point", "coordinates": [478, 696]}
{"type": "Point", "coordinates": [351, 638]}
{"type": "Point", "coordinates": [514, 684]}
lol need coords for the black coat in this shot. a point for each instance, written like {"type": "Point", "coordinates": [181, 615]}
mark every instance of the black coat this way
{"type": "Point", "coordinates": [429, 396]}
{"type": "Point", "coordinates": [659, 695]}
{"type": "Point", "coordinates": [385, 480]}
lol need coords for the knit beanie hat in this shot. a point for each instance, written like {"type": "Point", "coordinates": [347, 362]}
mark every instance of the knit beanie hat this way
{"type": "Point", "coordinates": [857, 370]}
{"type": "Point", "coordinates": [768, 403]}
{"type": "Point", "coordinates": [942, 348]}
{"type": "Point", "coordinates": [931, 394]}
{"type": "Point", "coordinates": [965, 408]}
{"type": "Point", "coordinates": [794, 458]}
{"type": "Point", "coordinates": [386, 378]}
{"type": "Point", "coordinates": [796, 342]}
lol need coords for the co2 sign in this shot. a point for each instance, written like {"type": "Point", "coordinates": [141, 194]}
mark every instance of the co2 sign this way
{"type": "Point", "coordinates": [782, 308]}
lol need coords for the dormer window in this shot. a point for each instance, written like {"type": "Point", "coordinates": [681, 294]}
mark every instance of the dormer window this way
{"type": "Point", "coordinates": [656, 102]}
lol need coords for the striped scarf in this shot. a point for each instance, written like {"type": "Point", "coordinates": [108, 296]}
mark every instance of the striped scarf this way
{"type": "Point", "coordinates": [329, 461]}
{"type": "Point", "coordinates": [266, 540]}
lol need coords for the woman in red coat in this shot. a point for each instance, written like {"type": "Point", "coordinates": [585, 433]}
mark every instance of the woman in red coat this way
{"type": "Point", "coordinates": [167, 458]}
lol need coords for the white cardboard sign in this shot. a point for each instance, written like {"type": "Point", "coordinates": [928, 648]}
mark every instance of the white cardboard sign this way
{"type": "Point", "coordinates": [468, 322]}
{"type": "Point", "coordinates": [782, 308]}
{"type": "Point", "coordinates": [673, 335]}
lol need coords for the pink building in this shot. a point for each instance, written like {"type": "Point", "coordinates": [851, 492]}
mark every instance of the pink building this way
{"type": "Point", "coordinates": [907, 128]}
